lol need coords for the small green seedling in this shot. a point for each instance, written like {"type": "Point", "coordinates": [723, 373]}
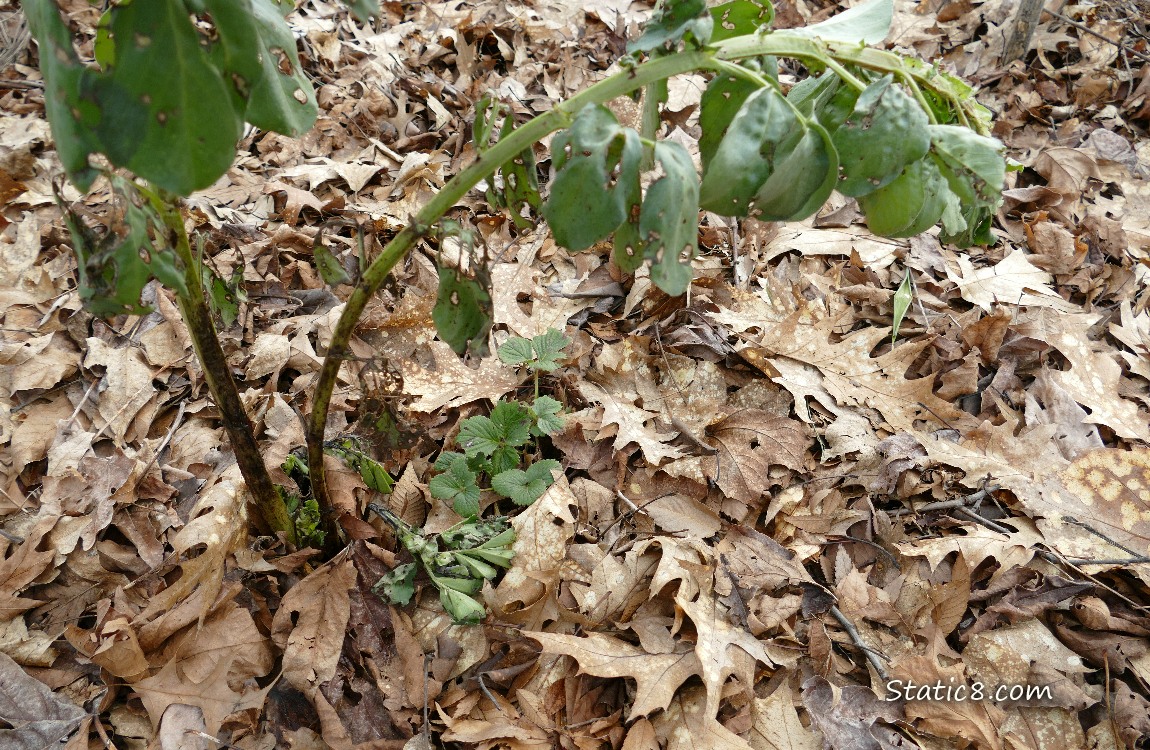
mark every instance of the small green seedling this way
{"type": "Point", "coordinates": [496, 446]}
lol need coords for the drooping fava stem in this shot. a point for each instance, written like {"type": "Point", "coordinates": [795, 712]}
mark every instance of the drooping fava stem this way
{"type": "Point", "coordinates": [720, 57]}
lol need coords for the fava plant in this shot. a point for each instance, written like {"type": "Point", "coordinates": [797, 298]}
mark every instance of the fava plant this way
{"type": "Point", "coordinates": [902, 136]}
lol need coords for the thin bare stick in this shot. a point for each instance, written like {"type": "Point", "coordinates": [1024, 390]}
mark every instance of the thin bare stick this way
{"type": "Point", "coordinates": [870, 654]}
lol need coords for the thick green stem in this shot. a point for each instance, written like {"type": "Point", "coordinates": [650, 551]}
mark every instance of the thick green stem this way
{"type": "Point", "coordinates": [716, 58]}
{"type": "Point", "coordinates": [483, 167]}
{"type": "Point", "coordinates": [271, 514]}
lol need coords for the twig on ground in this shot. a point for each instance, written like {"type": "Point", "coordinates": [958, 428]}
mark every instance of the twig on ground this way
{"type": "Point", "coordinates": [871, 655]}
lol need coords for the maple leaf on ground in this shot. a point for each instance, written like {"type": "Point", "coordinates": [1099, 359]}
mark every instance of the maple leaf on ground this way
{"type": "Point", "coordinates": [450, 382]}
{"type": "Point", "coordinates": [311, 622]}
{"type": "Point", "coordinates": [686, 725]}
{"type": "Point", "coordinates": [632, 424]}
{"type": "Point", "coordinates": [24, 565]}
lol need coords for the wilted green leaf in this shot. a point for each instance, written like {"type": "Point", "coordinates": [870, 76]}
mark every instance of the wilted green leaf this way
{"type": "Point", "coordinates": [886, 131]}
{"type": "Point", "coordinates": [596, 178]}
{"type": "Point", "coordinates": [462, 608]}
{"type": "Point", "coordinates": [669, 220]}
{"type": "Point", "coordinates": [805, 173]}
{"type": "Point", "coordinates": [397, 585]}
{"type": "Point", "coordinates": [462, 312]}
{"type": "Point", "coordinates": [721, 101]}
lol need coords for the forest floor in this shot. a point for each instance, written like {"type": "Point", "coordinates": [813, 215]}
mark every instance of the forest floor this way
{"type": "Point", "coordinates": [772, 519]}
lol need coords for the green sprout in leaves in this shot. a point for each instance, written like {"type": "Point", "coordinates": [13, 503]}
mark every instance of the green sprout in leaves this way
{"type": "Point", "coordinates": [457, 562]}
{"type": "Point", "coordinates": [495, 447]}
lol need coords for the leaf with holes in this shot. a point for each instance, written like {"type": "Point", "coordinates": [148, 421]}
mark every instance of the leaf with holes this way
{"type": "Point", "coordinates": [463, 311]}
{"type": "Point", "coordinates": [669, 221]}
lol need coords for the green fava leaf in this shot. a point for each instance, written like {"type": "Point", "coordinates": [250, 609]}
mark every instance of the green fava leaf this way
{"type": "Point", "coordinates": [462, 312]}
{"type": "Point", "coordinates": [868, 23]}
{"type": "Point", "coordinates": [739, 18]}
{"type": "Point", "coordinates": [597, 177]}
{"type": "Point", "coordinates": [669, 221]}
{"type": "Point", "coordinates": [525, 487]}
{"type": "Point", "coordinates": [886, 131]}
{"type": "Point", "coordinates": [721, 101]}
{"type": "Point", "coordinates": [745, 157]}
{"type": "Point", "coordinates": [256, 52]}
{"type": "Point", "coordinates": [462, 608]}
{"type": "Point", "coordinates": [675, 20]}
{"type": "Point", "coordinates": [398, 585]}
{"type": "Point", "coordinates": [805, 174]}
{"type": "Point", "coordinates": [910, 205]}
{"type": "Point", "coordinates": [165, 111]}
{"type": "Point", "coordinates": [975, 169]}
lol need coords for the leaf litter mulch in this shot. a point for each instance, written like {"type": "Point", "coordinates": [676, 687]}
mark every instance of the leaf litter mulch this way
{"type": "Point", "coordinates": [775, 520]}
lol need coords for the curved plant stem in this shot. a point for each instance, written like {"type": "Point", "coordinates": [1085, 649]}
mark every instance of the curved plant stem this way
{"type": "Point", "coordinates": [271, 513]}
{"type": "Point", "coordinates": [719, 57]}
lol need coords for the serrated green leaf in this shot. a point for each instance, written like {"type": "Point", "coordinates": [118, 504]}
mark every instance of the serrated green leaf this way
{"type": "Point", "coordinates": [398, 585]}
{"type": "Point", "coordinates": [886, 131]}
{"type": "Point", "coordinates": [462, 312]}
{"type": "Point", "coordinates": [525, 487]}
{"type": "Point", "coordinates": [669, 221]}
{"type": "Point", "coordinates": [255, 51]}
{"type": "Point", "coordinates": [509, 426]}
{"type": "Point", "coordinates": [596, 178]}
{"type": "Point", "coordinates": [675, 21]}
{"type": "Point", "coordinates": [458, 486]}
{"type": "Point", "coordinates": [545, 413]}
{"type": "Point", "coordinates": [516, 351]}
{"type": "Point", "coordinates": [548, 349]}
{"type": "Point", "coordinates": [739, 18]}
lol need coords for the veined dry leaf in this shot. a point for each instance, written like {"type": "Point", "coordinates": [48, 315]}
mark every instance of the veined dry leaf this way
{"type": "Point", "coordinates": [451, 383]}
{"type": "Point", "coordinates": [723, 649]}
{"type": "Point", "coordinates": [212, 695]}
{"type": "Point", "coordinates": [977, 543]}
{"type": "Point", "coordinates": [126, 388]}
{"type": "Point", "coordinates": [23, 565]}
{"type": "Point", "coordinates": [776, 725]}
{"type": "Point", "coordinates": [310, 624]}
{"type": "Point", "coordinates": [36, 718]}
{"type": "Point", "coordinates": [219, 523]}
{"type": "Point", "coordinates": [1014, 280]}
{"type": "Point", "coordinates": [657, 676]}
{"type": "Point", "coordinates": [632, 424]}
{"type": "Point", "coordinates": [687, 725]}
{"type": "Point", "coordinates": [851, 722]}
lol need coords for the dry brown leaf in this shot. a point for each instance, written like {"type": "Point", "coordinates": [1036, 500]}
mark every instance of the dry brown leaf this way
{"type": "Point", "coordinates": [35, 717]}
{"type": "Point", "coordinates": [632, 424]}
{"type": "Point", "coordinates": [450, 382]}
{"type": "Point", "coordinates": [1014, 281]}
{"type": "Point", "coordinates": [310, 624]}
{"type": "Point", "coordinates": [23, 565]}
{"type": "Point", "coordinates": [776, 724]}
{"type": "Point", "coordinates": [657, 676]}
{"type": "Point", "coordinates": [686, 725]}
{"type": "Point", "coordinates": [212, 695]}
{"type": "Point", "coordinates": [849, 718]}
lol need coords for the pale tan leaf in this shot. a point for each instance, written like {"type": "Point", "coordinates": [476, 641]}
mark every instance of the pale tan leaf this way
{"type": "Point", "coordinates": [212, 695]}
{"type": "Point", "coordinates": [776, 724]}
{"type": "Point", "coordinates": [310, 624]}
{"type": "Point", "coordinates": [451, 383]}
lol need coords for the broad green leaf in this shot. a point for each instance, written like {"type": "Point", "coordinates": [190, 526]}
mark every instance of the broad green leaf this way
{"type": "Point", "coordinates": [545, 412]}
{"type": "Point", "coordinates": [974, 169]}
{"type": "Point", "coordinates": [330, 269]}
{"type": "Point", "coordinates": [364, 10]}
{"type": "Point", "coordinates": [525, 487]}
{"type": "Point", "coordinates": [458, 486]}
{"type": "Point", "coordinates": [886, 131]}
{"type": "Point", "coordinates": [596, 178]}
{"type": "Point", "coordinates": [548, 347]}
{"type": "Point", "coordinates": [398, 585]}
{"type": "Point", "coordinates": [462, 312]}
{"type": "Point", "coordinates": [745, 156]}
{"type": "Point", "coordinates": [902, 300]}
{"type": "Point", "coordinates": [462, 608]}
{"type": "Point", "coordinates": [256, 53]}
{"type": "Point", "coordinates": [72, 118]}
{"type": "Point", "coordinates": [740, 17]}
{"type": "Point", "coordinates": [676, 20]}
{"type": "Point", "coordinates": [516, 351]}
{"type": "Point", "coordinates": [804, 176]}
{"type": "Point", "coordinates": [114, 269]}
{"type": "Point", "coordinates": [721, 101]}
{"type": "Point", "coordinates": [908, 206]}
{"type": "Point", "coordinates": [669, 221]}
{"type": "Point", "coordinates": [165, 112]}
{"type": "Point", "coordinates": [868, 23]}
